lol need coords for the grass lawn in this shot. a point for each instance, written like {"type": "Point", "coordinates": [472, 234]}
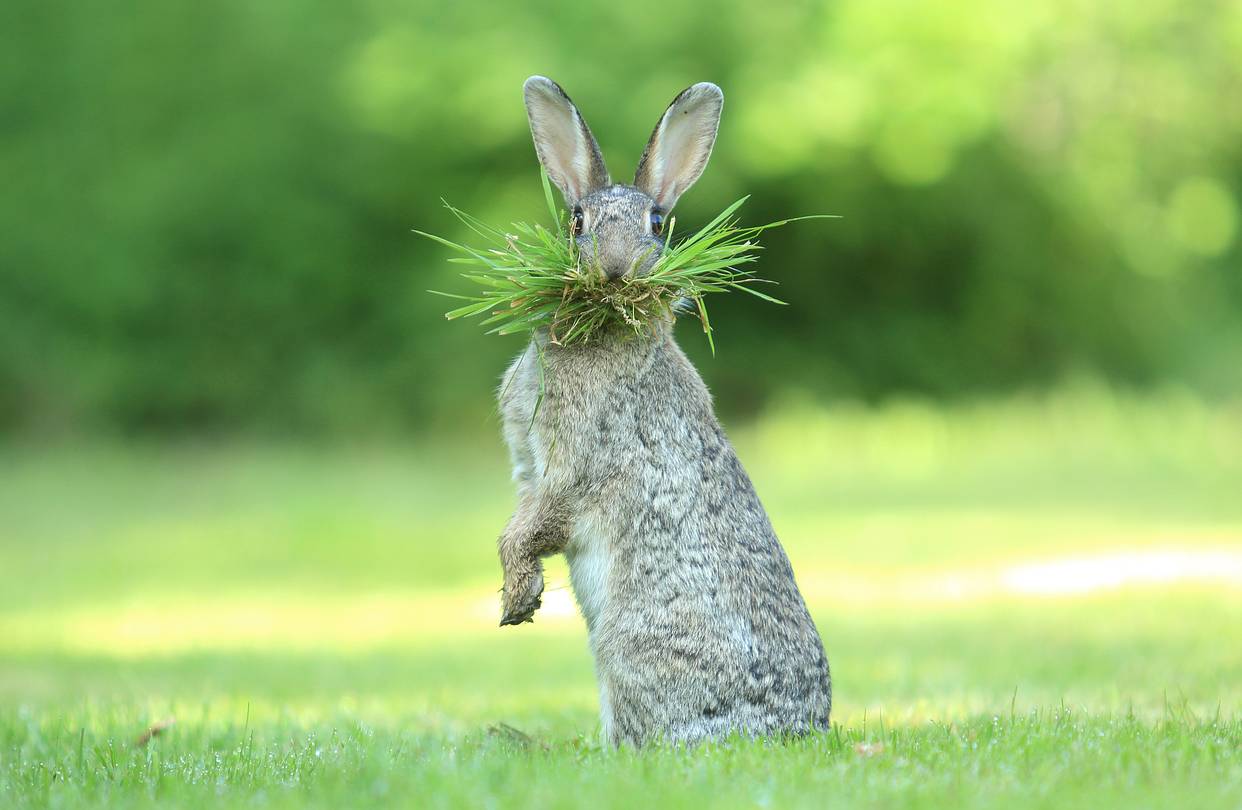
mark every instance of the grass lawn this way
{"type": "Point", "coordinates": [1027, 603]}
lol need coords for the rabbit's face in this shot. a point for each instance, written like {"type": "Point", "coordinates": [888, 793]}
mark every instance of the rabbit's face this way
{"type": "Point", "coordinates": [620, 228]}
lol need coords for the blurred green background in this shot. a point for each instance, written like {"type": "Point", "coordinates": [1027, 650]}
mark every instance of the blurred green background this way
{"type": "Point", "coordinates": [248, 471]}
{"type": "Point", "coordinates": [207, 208]}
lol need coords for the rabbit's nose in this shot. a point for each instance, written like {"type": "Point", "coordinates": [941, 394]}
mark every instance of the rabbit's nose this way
{"type": "Point", "coordinates": [615, 270]}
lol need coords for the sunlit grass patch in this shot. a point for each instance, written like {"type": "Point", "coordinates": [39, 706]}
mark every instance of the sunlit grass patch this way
{"type": "Point", "coordinates": [911, 658]}
{"type": "Point", "coordinates": [1027, 602]}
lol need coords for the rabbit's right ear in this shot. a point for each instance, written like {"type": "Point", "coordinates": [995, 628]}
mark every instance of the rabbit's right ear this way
{"type": "Point", "coordinates": [565, 145]}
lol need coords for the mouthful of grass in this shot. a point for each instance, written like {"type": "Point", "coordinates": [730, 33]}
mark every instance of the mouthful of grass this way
{"type": "Point", "coordinates": [532, 277]}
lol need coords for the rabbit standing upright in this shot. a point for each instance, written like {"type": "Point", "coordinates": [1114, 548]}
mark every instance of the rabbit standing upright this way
{"type": "Point", "coordinates": [696, 623]}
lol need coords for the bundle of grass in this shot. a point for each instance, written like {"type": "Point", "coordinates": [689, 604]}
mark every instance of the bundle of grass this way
{"type": "Point", "coordinates": [535, 277]}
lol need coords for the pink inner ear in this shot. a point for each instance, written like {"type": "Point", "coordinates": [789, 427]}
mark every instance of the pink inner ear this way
{"type": "Point", "coordinates": [682, 144]}
{"type": "Point", "coordinates": [561, 141]}
{"type": "Point", "coordinates": [558, 140]}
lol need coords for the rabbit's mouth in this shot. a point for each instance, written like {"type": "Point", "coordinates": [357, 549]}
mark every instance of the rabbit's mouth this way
{"type": "Point", "coordinates": [637, 264]}
{"type": "Point", "coordinates": [626, 263]}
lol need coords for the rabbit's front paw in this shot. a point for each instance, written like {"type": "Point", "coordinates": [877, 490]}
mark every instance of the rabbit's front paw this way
{"type": "Point", "coordinates": [521, 598]}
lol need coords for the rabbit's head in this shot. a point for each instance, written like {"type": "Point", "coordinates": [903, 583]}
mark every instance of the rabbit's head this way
{"type": "Point", "coordinates": [620, 228]}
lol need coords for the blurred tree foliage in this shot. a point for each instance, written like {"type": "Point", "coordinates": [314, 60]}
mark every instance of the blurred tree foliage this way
{"type": "Point", "coordinates": [207, 208]}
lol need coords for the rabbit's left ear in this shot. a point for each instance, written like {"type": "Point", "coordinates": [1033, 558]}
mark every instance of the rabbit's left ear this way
{"type": "Point", "coordinates": [681, 144]}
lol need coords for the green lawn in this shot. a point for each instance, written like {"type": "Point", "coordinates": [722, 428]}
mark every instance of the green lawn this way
{"type": "Point", "coordinates": [1028, 603]}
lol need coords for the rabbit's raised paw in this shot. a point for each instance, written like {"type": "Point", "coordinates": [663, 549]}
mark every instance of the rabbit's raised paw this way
{"type": "Point", "coordinates": [521, 599]}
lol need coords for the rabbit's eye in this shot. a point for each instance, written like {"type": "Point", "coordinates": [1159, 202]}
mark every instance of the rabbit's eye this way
{"type": "Point", "coordinates": [657, 223]}
{"type": "Point", "coordinates": [578, 223]}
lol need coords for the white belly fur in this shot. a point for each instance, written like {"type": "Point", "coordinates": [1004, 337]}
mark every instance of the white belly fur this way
{"type": "Point", "coordinates": [589, 557]}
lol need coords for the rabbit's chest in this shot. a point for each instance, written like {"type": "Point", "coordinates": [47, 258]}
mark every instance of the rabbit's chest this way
{"type": "Point", "coordinates": [553, 403]}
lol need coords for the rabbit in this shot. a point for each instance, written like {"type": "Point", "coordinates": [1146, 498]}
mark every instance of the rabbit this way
{"type": "Point", "coordinates": [696, 625]}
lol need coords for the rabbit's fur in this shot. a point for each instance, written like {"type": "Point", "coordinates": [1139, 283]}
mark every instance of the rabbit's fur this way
{"type": "Point", "coordinates": [696, 624]}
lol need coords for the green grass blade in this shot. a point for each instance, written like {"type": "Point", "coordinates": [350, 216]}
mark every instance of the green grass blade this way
{"type": "Point", "coordinates": [532, 277]}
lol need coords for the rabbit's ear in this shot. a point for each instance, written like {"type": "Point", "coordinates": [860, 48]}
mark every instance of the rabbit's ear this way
{"type": "Point", "coordinates": [564, 142]}
{"type": "Point", "coordinates": [681, 144]}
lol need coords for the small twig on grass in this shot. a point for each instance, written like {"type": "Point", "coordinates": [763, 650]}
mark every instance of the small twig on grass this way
{"type": "Point", "coordinates": [514, 735]}
{"type": "Point", "coordinates": [154, 730]}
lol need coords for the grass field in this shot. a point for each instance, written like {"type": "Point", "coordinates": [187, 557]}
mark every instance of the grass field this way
{"type": "Point", "coordinates": [1035, 602]}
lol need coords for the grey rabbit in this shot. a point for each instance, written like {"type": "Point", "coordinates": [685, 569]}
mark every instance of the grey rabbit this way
{"type": "Point", "coordinates": [696, 623]}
